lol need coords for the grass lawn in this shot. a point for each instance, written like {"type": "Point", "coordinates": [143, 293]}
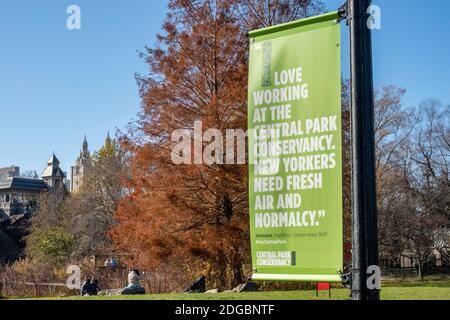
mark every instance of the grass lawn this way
{"type": "Point", "coordinates": [406, 290]}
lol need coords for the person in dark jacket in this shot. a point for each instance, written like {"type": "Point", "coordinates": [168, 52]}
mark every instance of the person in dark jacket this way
{"type": "Point", "coordinates": [85, 287]}
{"type": "Point", "coordinates": [198, 286]}
{"type": "Point", "coordinates": [93, 288]}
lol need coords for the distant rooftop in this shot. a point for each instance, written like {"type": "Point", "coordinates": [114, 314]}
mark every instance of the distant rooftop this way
{"type": "Point", "coordinates": [23, 184]}
{"type": "Point", "coordinates": [7, 172]}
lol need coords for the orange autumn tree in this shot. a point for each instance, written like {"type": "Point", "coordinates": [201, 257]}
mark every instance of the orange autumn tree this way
{"type": "Point", "coordinates": [193, 217]}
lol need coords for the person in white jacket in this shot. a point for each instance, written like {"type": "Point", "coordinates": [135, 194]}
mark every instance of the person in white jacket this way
{"type": "Point", "coordinates": [133, 279]}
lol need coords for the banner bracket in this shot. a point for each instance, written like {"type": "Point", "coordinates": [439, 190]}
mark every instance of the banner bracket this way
{"type": "Point", "coordinates": [343, 12]}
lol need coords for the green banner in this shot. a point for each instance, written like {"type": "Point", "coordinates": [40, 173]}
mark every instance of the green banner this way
{"type": "Point", "coordinates": [295, 151]}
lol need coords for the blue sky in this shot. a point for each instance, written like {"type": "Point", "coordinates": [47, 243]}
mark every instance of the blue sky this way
{"type": "Point", "coordinates": [57, 85]}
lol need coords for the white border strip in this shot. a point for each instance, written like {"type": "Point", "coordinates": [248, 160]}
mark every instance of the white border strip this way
{"type": "Point", "coordinates": [285, 277]}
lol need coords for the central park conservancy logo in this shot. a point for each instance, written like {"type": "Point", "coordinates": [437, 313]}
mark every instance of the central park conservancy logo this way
{"type": "Point", "coordinates": [276, 258]}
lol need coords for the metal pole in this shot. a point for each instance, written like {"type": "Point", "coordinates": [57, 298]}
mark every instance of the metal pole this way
{"type": "Point", "coordinates": [365, 233]}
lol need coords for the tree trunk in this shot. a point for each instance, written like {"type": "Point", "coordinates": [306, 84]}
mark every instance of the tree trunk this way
{"type": "Point", "coordinates": [420, 269]}
{"type": "Point", "coordinates": [221, 267]}
{"type": "Point", "coordinates": [238, 274]}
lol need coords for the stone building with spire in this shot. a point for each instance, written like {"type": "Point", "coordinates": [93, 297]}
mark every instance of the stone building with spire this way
{"type": "Point", "coordinates": [19, 196]}
{"type": "Point", "coordinates": [77, 171]}
{"type": "Point", "coordinates": [19, 201]}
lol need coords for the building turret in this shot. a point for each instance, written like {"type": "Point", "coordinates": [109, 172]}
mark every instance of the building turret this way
{"type": "Point", "coordinates": [53, 175]}
{"type": "Point", "coordinates": [85, 149]}
{"type": "Point", "coordinates": [79, 169]}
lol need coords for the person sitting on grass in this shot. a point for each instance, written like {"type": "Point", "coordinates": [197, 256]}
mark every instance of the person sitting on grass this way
{"type": "Point", "coordinates": [93, 288]}
{"type": "Point", "coordinates": [199, 286]}
{"type": "Point", "coordinates": [89, 287]}
{"type": "Point", "coordinates": [133, 287]}
{"type": "Point", "coordinates": [85, 287]}
{"type": "Point", "coordinates": [133, 279]}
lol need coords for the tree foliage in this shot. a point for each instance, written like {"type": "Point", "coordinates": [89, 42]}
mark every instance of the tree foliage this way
{"type": "Point", "coordinates": [413, 178]}
{"type": "Point", "coordinates": [72, 227]}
